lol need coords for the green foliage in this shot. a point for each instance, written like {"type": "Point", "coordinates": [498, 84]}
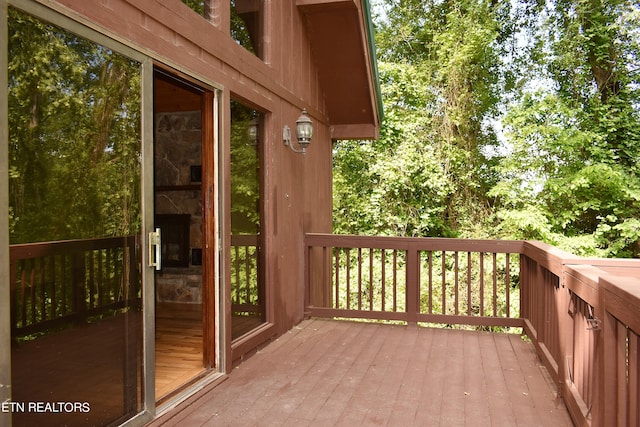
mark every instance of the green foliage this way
{"type": "Point", "coordinates": [441, 80]}
{"type": "Point", "coordinates": [562, 77]}
{"type": "Point", "coordinates": [574, 151]}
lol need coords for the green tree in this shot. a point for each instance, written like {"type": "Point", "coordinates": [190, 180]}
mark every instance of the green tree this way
{"type": "Point", "coordinates": [442, 78]}
{"type": "Point", "coordinates": [572, 177]}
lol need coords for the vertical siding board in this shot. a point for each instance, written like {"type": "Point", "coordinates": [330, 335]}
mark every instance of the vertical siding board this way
{"type": "Point", "coordinates": [621, 374]}
{"type": "Point", "coordinates": [634, 379]}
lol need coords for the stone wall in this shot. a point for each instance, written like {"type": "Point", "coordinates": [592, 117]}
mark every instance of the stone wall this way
{"type": "Point", "coordinates": [177, 150]}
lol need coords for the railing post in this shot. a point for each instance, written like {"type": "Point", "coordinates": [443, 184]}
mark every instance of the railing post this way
{"type": "Point", "coordinates": [606, 390]}
{"type": "Point", "coordinates": [307, 280]}
{"type": "Point", "coordinates": [413, 285]}
{"type": "Point", "coordinates": [565, 332]}
{"type": "Point", "coordinates": [525, 294]}
{"type": "Point", "coordinates": [604, 364]}
{"type": "Point", "coordinates": [78, 276]}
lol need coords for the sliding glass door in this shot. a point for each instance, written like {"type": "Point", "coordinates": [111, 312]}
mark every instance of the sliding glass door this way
{"type": "Point", "coordinates": [76, 227]}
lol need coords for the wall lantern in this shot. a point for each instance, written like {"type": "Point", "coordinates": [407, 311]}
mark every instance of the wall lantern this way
{"type": "Point", "coordinates": [253, 131]}
{"type": "Point", "coordinates": [304, 132]}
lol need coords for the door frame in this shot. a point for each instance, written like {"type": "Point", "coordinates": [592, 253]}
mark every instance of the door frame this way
{"type": "Point", "coordinates": [213, 318]}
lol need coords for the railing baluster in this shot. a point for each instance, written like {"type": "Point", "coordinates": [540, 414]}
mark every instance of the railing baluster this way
{"type": "Point", "coordinates": [359, 278]}
{"type": "Point", "coordinates": [325, 281]}
{"type": "Point", "coordinates": [63, 283]}
{"type": "Point", "coordinates": [52, 287]}
{"type": "Point", "coordinates": [430, 266]}
{"type": "Point", "coordinates": [495, 285]}
{"type": "Point", "coordinates": [469, 287]}
{"type": "Point", "coordinates": [43, 291]}
{"type": "Point", "coordinates": [100, 278]}
{"type": "Point", "coordinates": [348, 278]}
{"type": "Point", "coordinates": [337, 270]}
{"type": "Point", "coordinates": [111, 283]}
{"type": "Point", "coordinates": [32, 295]}
{"type": "Point", "coordinates": [395, 280]}
{"type": "Point", "coordinates": [481, 283]}
{"type": "Point", "coordinates": [236, 270]}
{"type": "Point", "coordinates": [508, 285]}
{"type": "Point", "coordinates": [92, 279]}
{"type": "Point", "coordinates": [443, 297]}
{"type": "Point", "coordinates": [23, 293]}
{"type": "Point", "coordinates": [247, 275]}
{"type": "Point", "coordinates": [383, 278]}
{"type": "Point", "coordinates": [455, 282]}
{"type": "Point", "coordinates": [370, 278]}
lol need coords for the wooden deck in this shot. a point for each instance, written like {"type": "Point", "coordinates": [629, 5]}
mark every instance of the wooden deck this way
{"type": "Point", "coordinates": [327, 373]}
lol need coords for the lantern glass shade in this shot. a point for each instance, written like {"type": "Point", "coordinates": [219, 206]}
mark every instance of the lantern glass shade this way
{"type": "Point", "coordinates": [304, 129]}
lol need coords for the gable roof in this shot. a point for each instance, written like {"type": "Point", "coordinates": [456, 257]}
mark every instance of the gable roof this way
{"type": "Point", "coordinates": [341, 36]}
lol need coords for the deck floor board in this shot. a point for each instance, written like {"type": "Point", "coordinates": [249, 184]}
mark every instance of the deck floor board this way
{"type": "Point", "coordinates": [335, 373]}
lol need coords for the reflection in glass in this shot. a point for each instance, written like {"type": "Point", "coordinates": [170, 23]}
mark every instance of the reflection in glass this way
{"type": "Point", "coordinates": [247, 283]}
{"type": "Point", "coordinates": [74, 203]}
{"type": "Point", "coordinates": [246, 24]}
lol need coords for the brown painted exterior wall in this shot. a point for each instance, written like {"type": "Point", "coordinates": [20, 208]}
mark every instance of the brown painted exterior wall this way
{"type": "Point", "coordinates": [297, 189]}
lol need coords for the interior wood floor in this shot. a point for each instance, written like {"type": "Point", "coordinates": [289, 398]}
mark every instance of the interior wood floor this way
{"type": "Point", "coordinates": [178, 346]}
{"type": "Point", "coordinates": [337, 373]}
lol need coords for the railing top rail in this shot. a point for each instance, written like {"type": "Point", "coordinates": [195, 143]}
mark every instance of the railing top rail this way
{"type": "Point", "coordinates": [416, 243]}
{"type": "Point", "coordinates": [244, 239]}
{"type": "Point", "coordinates": [41, 249]}
{"type": "Point", "coordinates": [622, 298]}
{"type": "Point", "coordinates": [552, 258]}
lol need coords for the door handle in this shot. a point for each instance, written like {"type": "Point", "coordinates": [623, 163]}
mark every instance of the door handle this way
{"type": "Point", "coordinates": [155, 253]}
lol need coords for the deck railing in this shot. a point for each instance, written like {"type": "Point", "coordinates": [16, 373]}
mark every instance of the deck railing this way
{"type": "Point", "coordinates": [245, 289]}
{"type": "Point", "coordinates": [54, 283]}
{"type": "Point", "coordinates": [583, 315]}
{"type": "Point", "coordinates": [449, 281]}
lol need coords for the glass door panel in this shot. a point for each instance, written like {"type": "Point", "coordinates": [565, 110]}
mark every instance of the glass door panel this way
{"type": "Point", "coordinates": [247, 281]}
{"type": "Point", "coordinates": [75, 227]}
{"type": "Point", "coordinates": [180, 286]}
